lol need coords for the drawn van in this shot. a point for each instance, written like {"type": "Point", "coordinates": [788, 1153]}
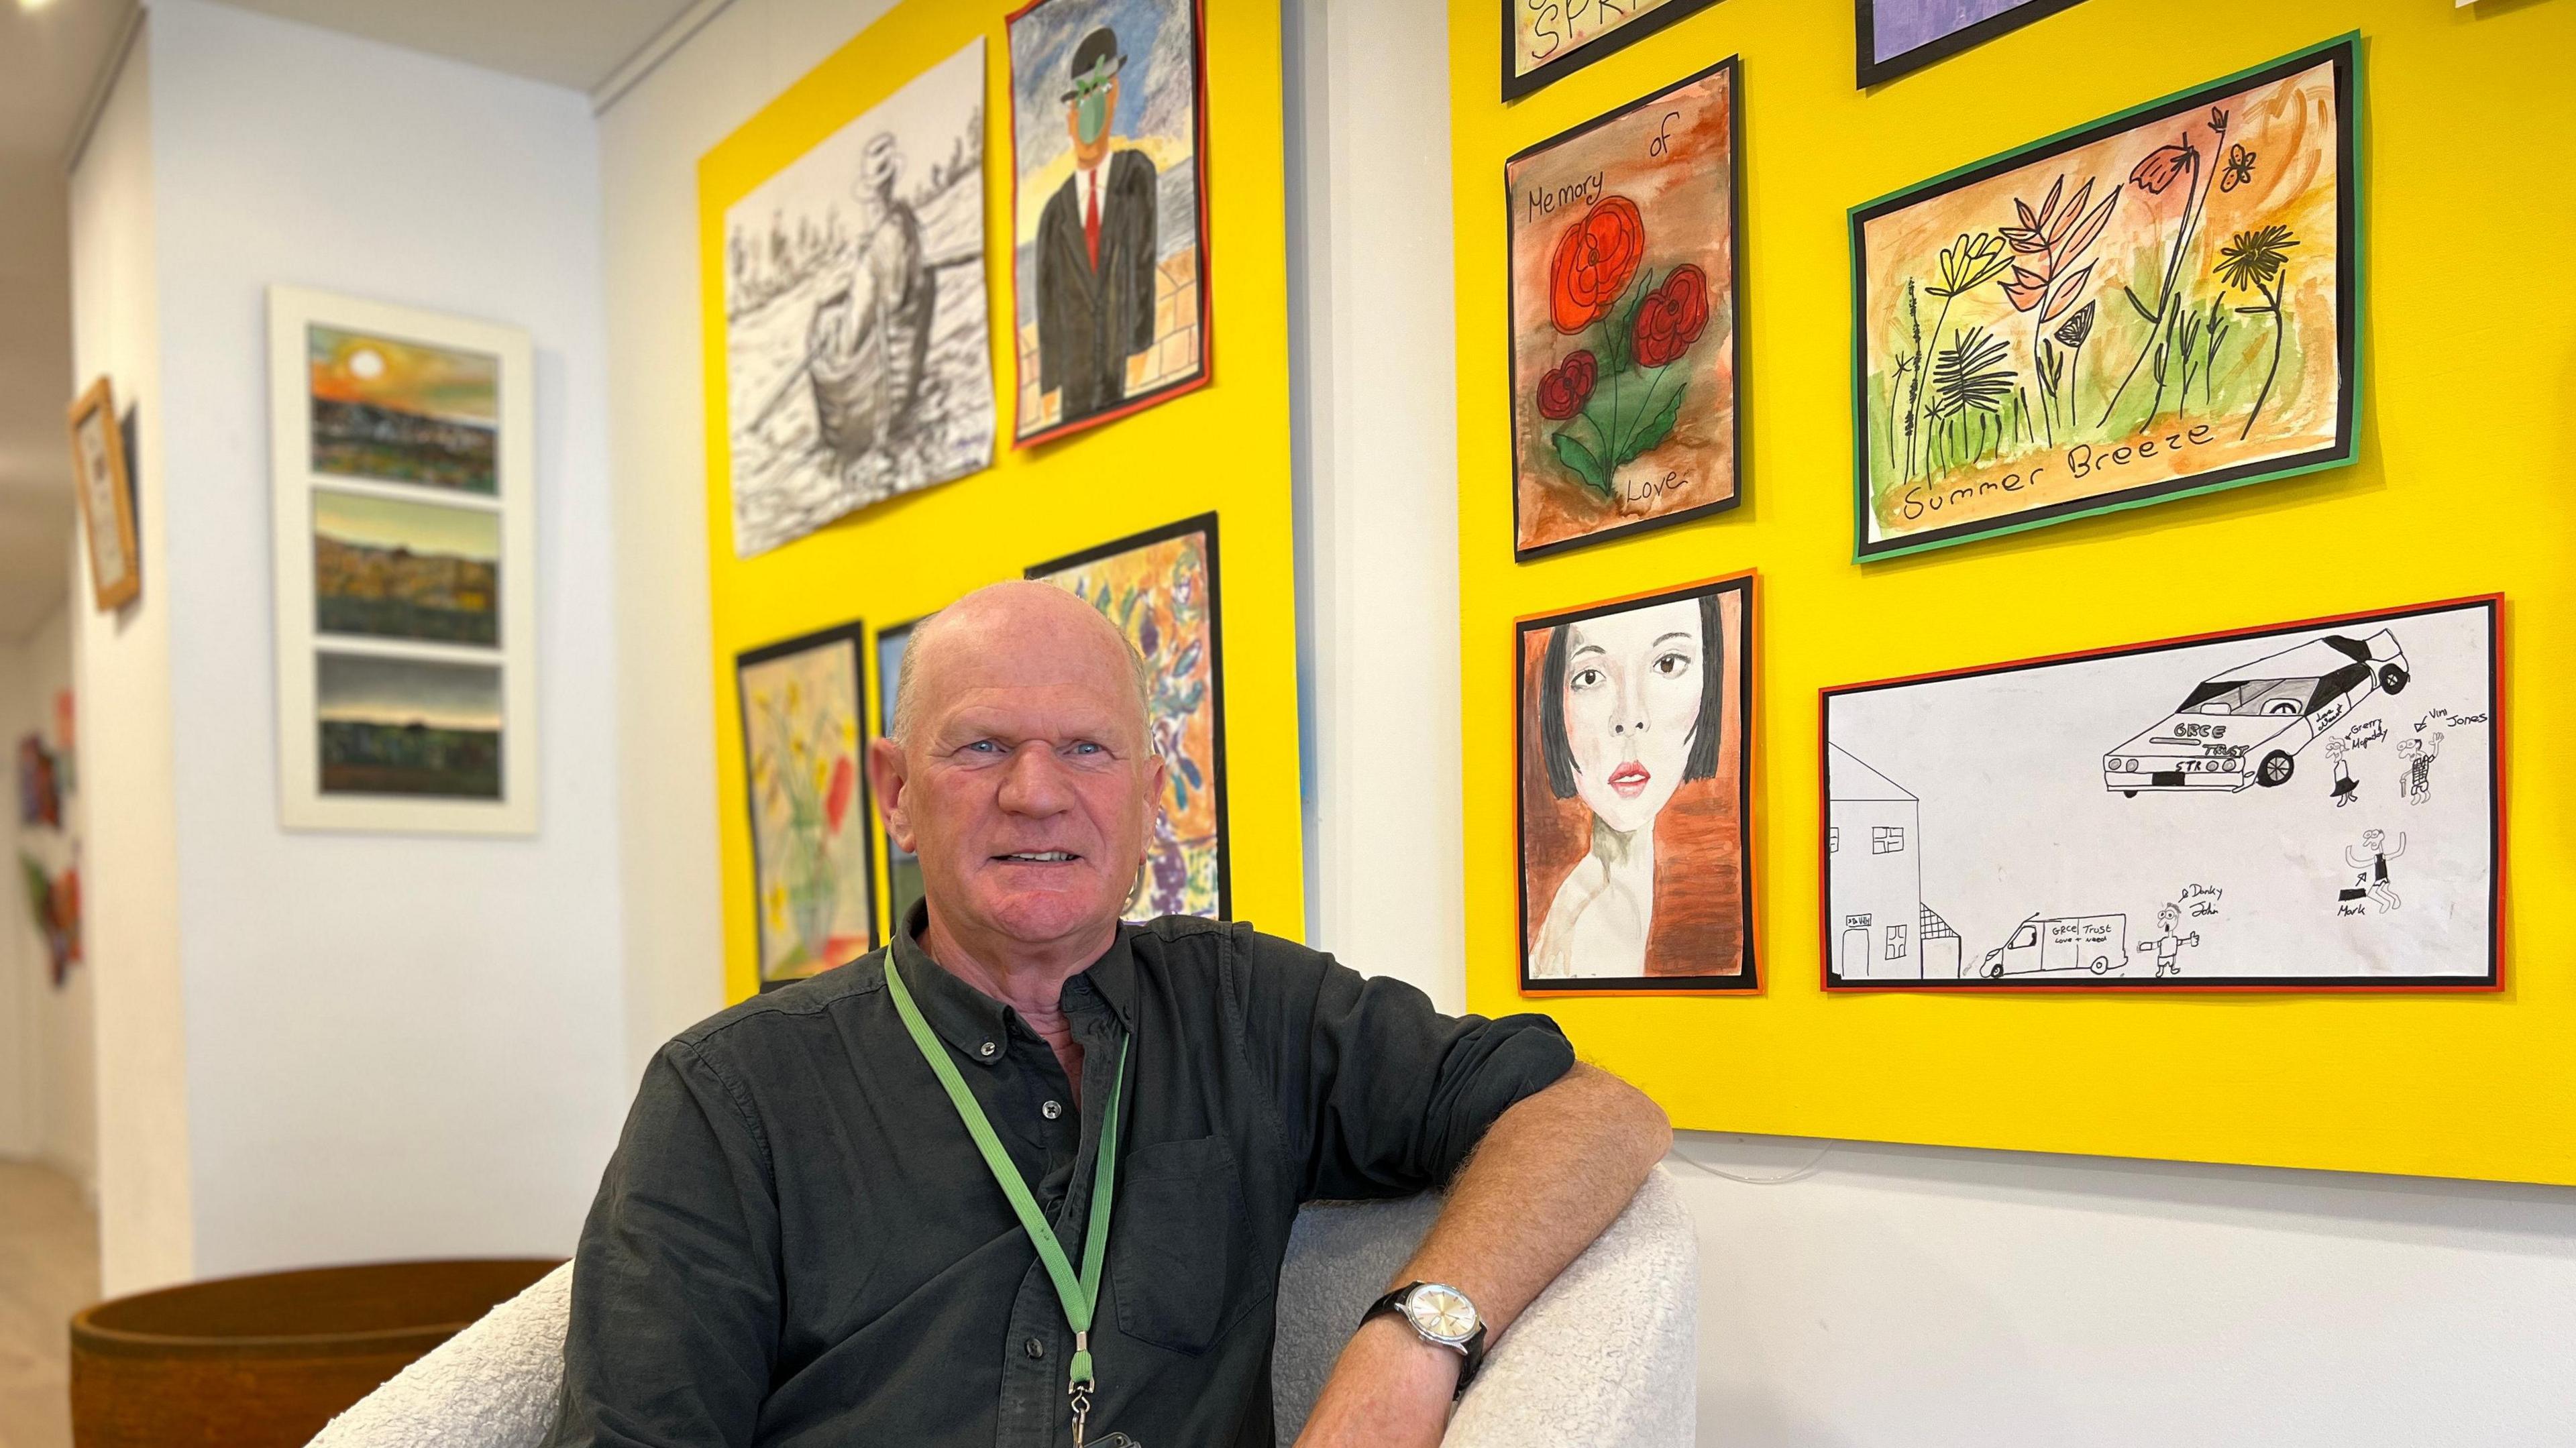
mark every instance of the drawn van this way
{"type": "Point", "coordinates": [2247, 725]}
{"type": "Point", "coordinates": [2098, 943]}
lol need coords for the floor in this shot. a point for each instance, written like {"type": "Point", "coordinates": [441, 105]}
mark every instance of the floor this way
{"type": "Point", "coordinates": [48, 1271]}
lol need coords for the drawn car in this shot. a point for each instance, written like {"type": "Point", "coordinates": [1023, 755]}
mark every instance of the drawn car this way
{"type": "Point", "coordinates": [2098, 943]}
{"type": "Point", "coordinates": [2247, 725]}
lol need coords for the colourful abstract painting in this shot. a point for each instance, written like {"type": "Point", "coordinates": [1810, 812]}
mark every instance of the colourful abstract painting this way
{"type": "Point", "coordinates": [803, 751]}
{"type": "Point", "coordinates": [1109, 209]}
{"type": "Point", "coordinates": [1634, 729]}
{"type": "Point", "coordinates": [1160, 589]}
{"type": "Point", "coordinates": [1623, 314]}
{"type": "Point", "coordinates": [1544, 40]}
{"type": "Point", "coordinates": [403, 412]}
{"type": "Point", "coordinates": [2158, 305]}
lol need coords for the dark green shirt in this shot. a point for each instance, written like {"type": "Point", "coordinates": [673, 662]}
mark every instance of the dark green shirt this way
{"type": "Point", "coordinates": [797, 1243]}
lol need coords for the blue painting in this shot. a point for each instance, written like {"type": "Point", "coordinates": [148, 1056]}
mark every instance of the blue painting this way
{"type": "Point", "coordinates": [1897, 36]}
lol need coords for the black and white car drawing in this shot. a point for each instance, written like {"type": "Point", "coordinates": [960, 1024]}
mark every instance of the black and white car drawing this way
{"type": "Point", "coordinates": [2247, 725]}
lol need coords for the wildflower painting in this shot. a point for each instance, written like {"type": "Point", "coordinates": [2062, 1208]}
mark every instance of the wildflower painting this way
{"type": "Point", "coordinates": [1624, 288]}
{"type": "Point", "coordinates": [806, 791]}
{"type": "Point", "coordinates": [2155, 306]}
{"type": "Point", "coordinates": [1160, 589]}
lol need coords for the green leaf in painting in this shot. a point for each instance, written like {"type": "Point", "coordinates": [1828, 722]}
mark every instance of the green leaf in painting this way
{"type": "Point", "coordinates": [1584, 465]}
{"type": "Point", "coordinates": [1651, 435]}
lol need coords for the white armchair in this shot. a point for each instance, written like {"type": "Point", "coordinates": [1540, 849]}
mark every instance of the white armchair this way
{"type": "Point", "coordinates": [1607, 1356]}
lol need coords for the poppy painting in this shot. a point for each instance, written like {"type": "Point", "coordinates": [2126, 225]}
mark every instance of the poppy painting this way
{"type": "Point", "coordinates": [1624, 288]}
{"type": "Point", "coordinates": [2162, 304]}
{"type": "Point", "coordinates": [1635, 721]}
{"type": "Point", "coordinates": [802, 748]}
{"type": "Point", "coordinates": [1159, 588]}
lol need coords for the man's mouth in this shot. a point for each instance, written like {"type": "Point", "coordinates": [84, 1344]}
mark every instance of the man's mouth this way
{"type": "Point", "coordinates": [1629, 779]}
{"type": "Point", "coordinates": [1039, 857]}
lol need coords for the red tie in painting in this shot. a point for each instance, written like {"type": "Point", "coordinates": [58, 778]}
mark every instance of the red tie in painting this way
{"type": "Point", "coordinates": [1091, 216]}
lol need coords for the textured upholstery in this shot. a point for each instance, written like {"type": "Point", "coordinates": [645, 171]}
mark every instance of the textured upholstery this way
{"type": "Point", "coordinates": [1605, 1358]}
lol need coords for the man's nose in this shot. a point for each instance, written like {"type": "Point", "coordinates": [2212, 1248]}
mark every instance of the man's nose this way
{"type": "Point", "coordinates": [1033, 784]}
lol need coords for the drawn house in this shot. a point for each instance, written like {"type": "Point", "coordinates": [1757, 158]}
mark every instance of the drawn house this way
{"type": "Point", "coordinates": [1881, 929]}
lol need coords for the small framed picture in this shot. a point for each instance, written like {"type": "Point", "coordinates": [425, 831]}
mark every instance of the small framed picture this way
{"type": "Point", "coordinates": [804, 759]}
{"type": "Point", "coordinates": [105, 478]}
{"type": "Point", "coordinates": [1634, 745]}
{"type": "Point", "coordinates": [404, 522]}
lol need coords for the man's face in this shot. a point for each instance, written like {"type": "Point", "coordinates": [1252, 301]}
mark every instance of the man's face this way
{"type": "Point", "coordinates": [1087, 117]}
{"type": "Point", "coordinates": [1026, 786]}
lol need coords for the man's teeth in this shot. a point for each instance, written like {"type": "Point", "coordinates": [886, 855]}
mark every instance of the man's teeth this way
{"type": "Point", "coordinates": [1048, 857]}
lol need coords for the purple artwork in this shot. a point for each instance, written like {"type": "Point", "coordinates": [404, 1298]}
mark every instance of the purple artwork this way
{"type": "Point", "coordinates": [1897, 36]}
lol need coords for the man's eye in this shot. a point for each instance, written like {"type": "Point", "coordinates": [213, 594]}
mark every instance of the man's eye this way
{"type": "Point", "coordinates": [1087, 747]}
{"type": "Point", "coordinates": [1585, 678]}
{"type": "Point", "coordinates": [983, 746]}
{"type": "Point", "coordinates": [1673, 665]}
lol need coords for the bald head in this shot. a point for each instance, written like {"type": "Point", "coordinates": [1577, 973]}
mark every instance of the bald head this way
{"type": "Point", "coordinates": [1005, 620]}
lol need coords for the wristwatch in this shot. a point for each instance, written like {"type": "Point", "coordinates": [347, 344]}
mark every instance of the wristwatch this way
{"type": "Point", "coordinates": [1441, 1315]}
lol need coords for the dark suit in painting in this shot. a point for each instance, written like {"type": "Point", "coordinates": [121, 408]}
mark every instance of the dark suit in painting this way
{"type": "Point", "coordinates": [1092, 319]}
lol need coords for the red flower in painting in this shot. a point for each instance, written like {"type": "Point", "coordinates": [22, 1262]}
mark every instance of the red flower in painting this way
{"type": "Point", "coordinates": [1672, 317]}
{"type": "Point", "coordinates": [2164, 164]}
{"type": "Point", "coordinates": [1567, 386]}
{"type": "Point", "coordinates": [837, 796]}
{"type": "Point", "coordinates": [1594, 262]}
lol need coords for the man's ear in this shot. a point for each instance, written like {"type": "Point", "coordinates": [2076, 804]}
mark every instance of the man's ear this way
{"type": "Point", "coordinates": [886, 780]}
{"type": "Point", "coordinates": [1157, 779]}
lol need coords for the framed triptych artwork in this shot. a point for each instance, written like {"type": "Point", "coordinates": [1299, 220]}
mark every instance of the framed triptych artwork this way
{"type": "Point", "coordinates": [1545, 40]}
{"type": "Point", "coordinates": [1109, 209]}
{"type": "Point", "coordinates": [1626, 280]}
{"type": "Point", "coordinates": [404, 518]}
{"type": "Point", "coordinates": [1160, 589]}
{"type": "Point", "coordinates": [2314, 805]}
{"type": "Point", "coordinates": [1900, 36]}
{"type": "Point", "coordinates": [804, 757]}
{"type": "Point", "coordinates": [2158, 305]}
{"type": "Point", "coordinates": [1634, 744]}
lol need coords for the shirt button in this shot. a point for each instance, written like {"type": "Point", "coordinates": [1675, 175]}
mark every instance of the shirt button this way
{"type": "Point", "coordinates": [1051, 1110]}
{"type": "Point", "coordinates": [986, 1049]}
{"type": "Point", "coordinates": [1034, 1348]}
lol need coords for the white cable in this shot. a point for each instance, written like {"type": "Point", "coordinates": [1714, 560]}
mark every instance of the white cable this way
{"type": "Point", "coordinates": [1814, 1165]}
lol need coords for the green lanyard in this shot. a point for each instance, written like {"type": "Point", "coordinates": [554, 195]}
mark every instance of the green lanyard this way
{"type": "Point", "coordinates": [1079, 1295]}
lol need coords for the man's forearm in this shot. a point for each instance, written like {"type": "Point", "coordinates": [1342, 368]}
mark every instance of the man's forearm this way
{"type": "Point", "coordinates": [1550, 1175]}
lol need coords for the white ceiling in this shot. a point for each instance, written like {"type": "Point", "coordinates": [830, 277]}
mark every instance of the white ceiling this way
{"type": "Point", "coordinates": [51, 55]}
{"type": "Point", "coordinates": [575, 43]}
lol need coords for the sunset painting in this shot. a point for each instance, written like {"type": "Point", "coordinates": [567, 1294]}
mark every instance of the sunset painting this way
{"type": "Point", "coordinates": [403, 412]}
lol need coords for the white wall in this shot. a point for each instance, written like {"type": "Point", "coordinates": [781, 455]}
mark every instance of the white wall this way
{"type": "Point", "coordinates": [650, 141]}
{"type": "Point", "coordinates": [46, 1066]}
{"type": "Point", "coordinates": [393, 1046]}
{"type": "Point", "coordinates": [129, 880]}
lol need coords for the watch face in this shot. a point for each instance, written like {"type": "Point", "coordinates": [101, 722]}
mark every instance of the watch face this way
{"type": "Point", "coordinates": [1442, 1314]}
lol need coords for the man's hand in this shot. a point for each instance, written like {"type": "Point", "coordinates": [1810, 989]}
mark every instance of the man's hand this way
{"type": "Point", "coordinates": [1549, 1176]}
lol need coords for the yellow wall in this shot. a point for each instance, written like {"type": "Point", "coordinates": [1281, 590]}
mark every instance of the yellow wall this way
{"type": "Point", "coordinates": [1223, 448]}
{"type": "Point", "coordinates": [2462, 487]}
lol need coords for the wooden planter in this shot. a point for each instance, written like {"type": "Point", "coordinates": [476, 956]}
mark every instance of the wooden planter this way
{"type": "Point", "coordinates": [251, 1362]}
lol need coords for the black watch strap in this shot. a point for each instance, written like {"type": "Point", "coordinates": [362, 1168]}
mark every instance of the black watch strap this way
{"type": "Point", "coordinates": [1472, 1351]}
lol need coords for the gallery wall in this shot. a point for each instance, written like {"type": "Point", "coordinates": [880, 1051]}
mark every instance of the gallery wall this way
{"type": "Point", "coordinates": [389, 1046]}
{"type": "Point", "coordinates": [2456, 461]}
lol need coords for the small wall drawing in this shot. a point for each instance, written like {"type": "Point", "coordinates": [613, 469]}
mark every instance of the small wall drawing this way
{"type": "Point", "coordinates": [903, 867]}
{"type": "Point", "coordinates": [2159, 305]}
{"type": "Point", "coordinates": [1624, 288]}
{"type": "Point", "coordinates": [1898, 36]}
{"type": "Point", "coordinates": [807, 795]}
{"type": "Point", "coordinates": [1981, 808]}
{"type": "Point", "coordinates": [1160, 589]}
{"type": "Point", "coordinates": [858, 355]}
{"type": "Point", "coordinates": [1109, 202]}
{"type": "Point", "coordinates": [1545, 40]}
{"type": "Point", "coordinates": [1634, 727]}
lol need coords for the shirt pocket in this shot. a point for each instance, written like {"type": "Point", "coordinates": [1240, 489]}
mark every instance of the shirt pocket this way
{"type": "Point", "coordinates": [1179, 1243]}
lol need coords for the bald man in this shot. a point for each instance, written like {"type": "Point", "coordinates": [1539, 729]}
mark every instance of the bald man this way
{"type": "Point", "coordinates": [1026, 1177]}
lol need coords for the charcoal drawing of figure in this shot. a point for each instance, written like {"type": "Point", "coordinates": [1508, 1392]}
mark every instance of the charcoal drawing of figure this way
{"type": "Point", "coordinates": [1632, 775]}
{"type": "Point", "coordinates": [2344, 784]}
{"type": "Point", "coordinates": [2369, 861]}
{"type": "Point", "coordinates": [1096, 244]}
{"type": "Point", "coordinates": [2417, 782]}
{"type": "Point", "coordinates": [2167, 944]}
{"type": "Point", "coordinates": [858, 349]}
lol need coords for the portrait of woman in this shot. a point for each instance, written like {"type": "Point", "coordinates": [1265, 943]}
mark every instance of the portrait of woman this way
{"type": "Point", "coordinates": [1633, 791]}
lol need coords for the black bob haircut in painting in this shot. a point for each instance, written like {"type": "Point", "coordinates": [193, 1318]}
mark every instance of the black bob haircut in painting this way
{"type": "Point", "coordinates": [1704, 729]}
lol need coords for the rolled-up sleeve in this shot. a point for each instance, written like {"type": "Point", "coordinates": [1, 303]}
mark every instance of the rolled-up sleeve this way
{"type": "Point", "coordinates": [675, 1293]}
{"type": "Point", "coordinates": [1379, 1094]}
